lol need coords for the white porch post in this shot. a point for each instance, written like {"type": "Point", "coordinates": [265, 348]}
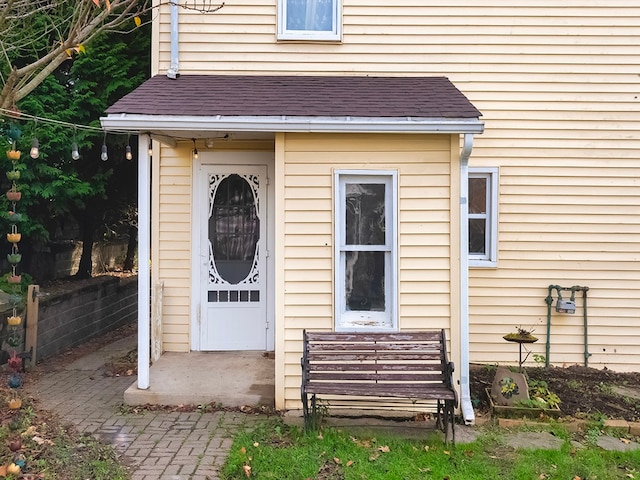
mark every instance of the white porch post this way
{"type": "Point", "coordinates": [144, 271]}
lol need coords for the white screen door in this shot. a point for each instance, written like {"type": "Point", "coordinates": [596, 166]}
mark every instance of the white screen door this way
{"type": "Point", "coordinates": [233, 245]}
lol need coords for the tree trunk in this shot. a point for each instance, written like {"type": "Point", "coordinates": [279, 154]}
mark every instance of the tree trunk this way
{"type": "Point", "coordinates": [87, 229]}
{"type": "Point", "coordinates": [131, 248]}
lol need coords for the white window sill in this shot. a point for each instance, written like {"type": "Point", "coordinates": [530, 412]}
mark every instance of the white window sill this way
{"type": "Point", "coordinates": [310, 37]}
{"type": "Point", "coordinates": [483, 263]}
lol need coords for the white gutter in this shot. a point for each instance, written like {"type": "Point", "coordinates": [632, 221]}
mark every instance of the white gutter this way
{"type": "Point", "coordinates": [192, 123]}
{"type": "Point", "coordinates": [144, 270]}
{"type": "Point", "coordinates": [173, 71]}
{"type": "Point", "coordinates": [468, 414]}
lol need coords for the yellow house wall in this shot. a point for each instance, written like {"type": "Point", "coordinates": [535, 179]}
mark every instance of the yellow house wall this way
{"type": "Point", "coordinates": [306, 194]}
{"type": "Point", "coordinates": [557, 85]}
{"type": "Point", "coordinates": [171, 257]}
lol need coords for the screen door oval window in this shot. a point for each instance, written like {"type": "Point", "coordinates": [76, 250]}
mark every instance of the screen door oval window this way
{"type": "Point", "coordinates": [234, 230]}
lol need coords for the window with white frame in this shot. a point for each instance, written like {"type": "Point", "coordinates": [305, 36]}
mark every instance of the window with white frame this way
{"type": "Point", "coordinates": [309, 20]}
{"type": "Point", "coordinates": [483, 217]}
{"type": "Point", "coordinates": [366, 250]}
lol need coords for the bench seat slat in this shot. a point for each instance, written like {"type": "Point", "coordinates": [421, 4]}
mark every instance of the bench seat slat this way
{"type": "Point", "coordinates": [393, 377]}
{"type": "Point", "coordinates": [433, 392]}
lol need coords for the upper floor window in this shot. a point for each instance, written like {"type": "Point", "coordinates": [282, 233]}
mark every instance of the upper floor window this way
{"type": "Point", "coordinates": [366, 250]}
{"type": "Point", "coordinates": [309, 19]}
{"type": "Point", "coordinates": [483, 217]}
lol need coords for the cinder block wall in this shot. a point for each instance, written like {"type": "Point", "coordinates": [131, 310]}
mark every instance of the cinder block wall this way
{"type": "Point", "coordinates": [70, 319]}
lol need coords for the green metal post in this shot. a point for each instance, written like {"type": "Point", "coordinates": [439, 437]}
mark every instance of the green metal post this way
{"type": "Point", "coordinates": [549, 302]}
{"type": "Point", "coordinates": [586, 339]}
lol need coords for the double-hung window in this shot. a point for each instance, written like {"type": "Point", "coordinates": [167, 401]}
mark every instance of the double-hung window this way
{"type": "Point", "coordinates": [365, 250]}
{"type": "Point", "coordinates": [483, 217]}
{"type": "Point", "coordinates": [310, 20]}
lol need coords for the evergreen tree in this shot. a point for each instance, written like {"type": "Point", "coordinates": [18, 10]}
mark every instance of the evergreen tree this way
{"type": "Point", "coordinates": [55, 187]}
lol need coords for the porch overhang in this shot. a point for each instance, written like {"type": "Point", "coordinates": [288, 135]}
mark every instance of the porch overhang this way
{"type": "Point", "coordinates": [194, 106]}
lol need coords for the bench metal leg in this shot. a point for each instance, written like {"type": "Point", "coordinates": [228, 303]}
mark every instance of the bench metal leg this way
{"type": "Point", "coordinates": [445, 419]}
{"type": "Point", "coordinates": [450, 420]}
{"type": "Point", "coordinates": [305, 409]}
{"type": "Point", "coordinates": [439, 413]}
{"type": "Point", "coordinates": [310, 414]}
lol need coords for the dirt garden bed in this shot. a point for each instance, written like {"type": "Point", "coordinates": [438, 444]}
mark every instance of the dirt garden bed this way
{"type": "Point", "coordinates": [584, 392]}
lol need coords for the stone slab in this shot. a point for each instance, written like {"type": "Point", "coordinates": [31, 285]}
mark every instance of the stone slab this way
{"type": "Point", "coordinates": [534, 441]}
{"type": "Point", "coordinates": [614, 444]}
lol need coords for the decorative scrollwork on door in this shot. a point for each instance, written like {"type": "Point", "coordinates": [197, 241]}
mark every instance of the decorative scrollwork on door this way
{"type": "Point", "coordinates": [234, 231]}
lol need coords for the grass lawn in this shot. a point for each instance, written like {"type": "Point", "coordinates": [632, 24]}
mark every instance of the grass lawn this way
{"type": "Point", "coordinates": [276, 451]}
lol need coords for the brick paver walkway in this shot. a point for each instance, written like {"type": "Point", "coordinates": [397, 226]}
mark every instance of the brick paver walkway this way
{"type": "Point", "coordinates": [158, 445]}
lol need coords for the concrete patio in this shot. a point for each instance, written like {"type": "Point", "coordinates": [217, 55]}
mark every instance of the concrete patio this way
{"type": "Point", "coordinates": [225, 378]}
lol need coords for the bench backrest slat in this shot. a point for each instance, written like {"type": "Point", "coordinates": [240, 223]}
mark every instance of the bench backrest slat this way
{"type": "Point", "coordinates": [375, 356]}
{"type": "Point", "coordinates": [433, 336]}
{"type": "Point", "coordinates": [372, 347]}
{"type": "Point", "coordinates": [333, 375]}
{"type": "Point", "coordinates": [368, 367]}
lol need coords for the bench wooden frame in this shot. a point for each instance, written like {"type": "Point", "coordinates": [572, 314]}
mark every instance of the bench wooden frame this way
{"type": "Point", "coordinates": [407, 365]}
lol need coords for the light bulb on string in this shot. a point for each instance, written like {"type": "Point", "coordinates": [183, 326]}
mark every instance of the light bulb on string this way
{"type": "Point", "coordinates": [104, 156]}
{"type": "Point", "coordinates": [35, 149]}
{"type": "Point", "coordinates": [75, 154]}
{"type": "Point", "coordinates": [150, 147]}
{"type": "Point", "coordinates": [128, 155]}
{"type": "Point", "coordinates": [195, 150]}
{"type": "Point", "coordinates": [35, 145]}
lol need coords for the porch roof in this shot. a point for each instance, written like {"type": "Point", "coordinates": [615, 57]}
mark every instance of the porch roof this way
{"type": "Point", "coordinates": [295, 103]}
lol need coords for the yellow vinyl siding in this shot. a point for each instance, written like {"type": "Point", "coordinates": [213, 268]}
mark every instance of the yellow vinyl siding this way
{"type": "Point", "coordinates": [563, 221]}
{"type": "Point", "coordinates": [309, 161]}
{"type": "Point", "coordinates": [174, 246]}
{"type": "Point", "coordinates": [558, 88]}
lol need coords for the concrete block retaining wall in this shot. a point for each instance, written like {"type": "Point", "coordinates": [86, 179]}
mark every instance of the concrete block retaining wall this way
{"type": "Point", "coordinates": [71, 318]}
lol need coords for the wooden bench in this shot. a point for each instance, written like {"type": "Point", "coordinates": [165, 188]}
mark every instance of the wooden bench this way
{"type": "Point", "coordinates": [403, 365]}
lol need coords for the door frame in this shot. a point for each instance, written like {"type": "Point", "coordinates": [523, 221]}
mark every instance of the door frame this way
{"type": "Point", "coordinates": [239, 158]}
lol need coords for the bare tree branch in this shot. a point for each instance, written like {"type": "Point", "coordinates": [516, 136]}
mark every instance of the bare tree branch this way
{"type": "Point", "coordinates": [36, 36]}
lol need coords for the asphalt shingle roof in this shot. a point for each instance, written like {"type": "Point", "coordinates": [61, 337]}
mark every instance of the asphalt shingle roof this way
{"type": "Point", "coordinates": [321, 96]}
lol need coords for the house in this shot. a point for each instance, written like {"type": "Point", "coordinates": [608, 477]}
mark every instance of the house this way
{"type": "Point", "coordinates": [340, 164]}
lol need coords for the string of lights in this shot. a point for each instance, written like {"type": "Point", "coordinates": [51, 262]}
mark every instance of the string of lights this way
{"type": "Point", "coordinates": [75, 155]}
{"type": "Point", "coordinates": [35, 146]}
{"type": "Point", "coordinates": [15, 115]}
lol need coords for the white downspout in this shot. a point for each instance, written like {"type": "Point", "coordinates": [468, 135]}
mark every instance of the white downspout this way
{"type": "Point", "coordinates": [144, 270]}
{"type": "Point", "coordinates": [465, 401]}
{"type": "Point", "coordinates": [173, 71]}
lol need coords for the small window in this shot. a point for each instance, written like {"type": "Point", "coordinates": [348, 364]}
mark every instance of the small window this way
{"type": "Point", "coordinates": [309, 20]}
{"type": "Point", "coordinates": [483, 217]}
{"type": "Point", "coordinates": [366, 250]}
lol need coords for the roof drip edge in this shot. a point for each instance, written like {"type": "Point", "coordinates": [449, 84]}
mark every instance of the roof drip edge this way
{"type": "Point", "coordinates": [147, 123]}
